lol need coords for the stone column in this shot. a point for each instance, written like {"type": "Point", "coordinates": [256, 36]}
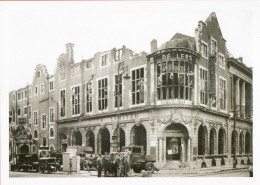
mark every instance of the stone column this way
{"type": "Point", "coordinates": [160, 148]}
{"type": "Point", "coordinates": [243, 102]}
{"type": "Point", "coordinates": [188, 150]}
{"type": "Point", "coordinates": [237, 97]}
{"type": "Point", "coordinates": [196, 87]}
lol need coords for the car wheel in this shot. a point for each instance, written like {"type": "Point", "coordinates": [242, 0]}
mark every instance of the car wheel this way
{"type": "Point", "coordinates": [85, 166]}
{"type": "Point", "coordinates": [137, 169]}
{"type": "Point", "coordinates": [149, 167]}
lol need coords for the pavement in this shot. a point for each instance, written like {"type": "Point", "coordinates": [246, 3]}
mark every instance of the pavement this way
{"type": "Point", "coordinates": [241, 170]}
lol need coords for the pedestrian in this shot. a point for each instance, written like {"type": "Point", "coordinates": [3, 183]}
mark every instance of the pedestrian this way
{"type": "Point", "coordinates": [105, 164]}
{"type": "Point", "coordinates": [99, 165]}
{"type": "Point", "coordinates": [117, 165]}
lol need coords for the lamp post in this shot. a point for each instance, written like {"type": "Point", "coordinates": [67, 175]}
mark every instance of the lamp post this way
{"type": "Point", "coordinates": [121, 70]}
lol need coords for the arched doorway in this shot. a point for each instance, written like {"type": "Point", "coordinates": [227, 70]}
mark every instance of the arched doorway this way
{"type": "Point", "coordinates": [24, 149]}
{"type": "Point", "coordinates": [202, 140]}
{"type": "Point", "coordinates": [103, 141]}
{"type": "Point", "coordinates": [234, 142]}
{"type": "Point", "coordinates": [212, 141]}
{"type": "Point", "coordinates": [221, 141]}
{"type": "Point", "coordinates": [90, 139]}
{"type": "Point", "coordinates": [241, 143]}
{"type": "Point", "coordinates": [138, 136]}
{"type": "Point", "coordinates": [176, 142]}
{"type": "Point", "coordinates": [122, 137]}
{"type": "Point", "coordinates": [247, 143]}
{"type": "Point", "coordinates": [77, 139]}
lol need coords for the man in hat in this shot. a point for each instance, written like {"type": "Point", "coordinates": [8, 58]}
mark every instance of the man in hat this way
{"type": "Point", "coordinates": [99, 165]}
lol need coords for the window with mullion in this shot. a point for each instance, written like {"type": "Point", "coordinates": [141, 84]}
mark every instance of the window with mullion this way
{"type": "Point", "coordinates": [203, 86]}
{"type": "Point", "coordinates": [104, 60]}
{"type": "Point", "coordinates": [43, 121]}
{"type": "Point", "coordinates": [89, 96]}
{"type": "Point", "coordinates": [102, 94]}
{"type": "Point", "coordinates": [118, 90]}
{"type": "Point", "coordinates": [62, 100]}
{"type": "Point", "coordinates": [35, 118]}
{"type": "Point", "coordinates": [222, 86]}
{"type": "Point", "coordinates": [51, 115]}
{"type": "Point", "coordinates": [138, 86]}
{"type": "Point", "coordinates": [75, 100]}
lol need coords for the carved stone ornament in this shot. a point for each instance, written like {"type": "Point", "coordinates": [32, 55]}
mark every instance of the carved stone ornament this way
{"type": "Point", "coordinates": [212, 125]}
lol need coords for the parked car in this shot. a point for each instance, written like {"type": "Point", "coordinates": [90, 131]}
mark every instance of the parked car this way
{"type": "Point", "coordinates": [26, 162]}
{"type": "Point", "coordinates": [48, 164]}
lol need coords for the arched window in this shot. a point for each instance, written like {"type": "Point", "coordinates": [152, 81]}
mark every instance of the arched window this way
{"type": "Point", "coordinates": [241, 143]}
{"type": "Point", "coordinates": [247, 143]}
{"type": "Point", "coordinates": [35, 134]}
{"type": "Point", "coordinates": [212, 141]}
{"type": "Point", "coordinates": [202, 140]}
{"type": "Point", "coordinates": [221, 141]}
{"type": "Point", "coordinates": [51, 132]}
{"type": "Point", "coordinates": [234, 142]}
{"type": "Point", "coordinates": [44, 141]}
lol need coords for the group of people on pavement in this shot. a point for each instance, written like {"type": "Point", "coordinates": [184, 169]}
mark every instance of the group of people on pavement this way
{"type": "Point", "coordinates": [120, 165]}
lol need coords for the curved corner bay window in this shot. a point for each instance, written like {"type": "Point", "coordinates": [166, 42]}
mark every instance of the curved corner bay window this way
{"type": "Point", "coordinates": [175, 80]}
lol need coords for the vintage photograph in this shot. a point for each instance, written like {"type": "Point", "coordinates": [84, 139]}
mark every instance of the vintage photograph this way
{"type": "Point", "coordinates": [129, 89]}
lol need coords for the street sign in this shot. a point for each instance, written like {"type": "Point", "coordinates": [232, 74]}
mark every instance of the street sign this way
{"type": "Point", "coordinates": [22, 120]}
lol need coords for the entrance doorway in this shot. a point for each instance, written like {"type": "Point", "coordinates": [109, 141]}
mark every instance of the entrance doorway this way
{"type": "Point", "coordinates": [173, 148]}
{"type": "Point", "coordinates": [176, 143]}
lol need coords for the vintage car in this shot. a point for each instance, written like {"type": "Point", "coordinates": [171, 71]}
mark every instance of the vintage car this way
{"type": "Point", "coordinates": [88, 160]}
{"type": "Point", "coordinates": [26, 162]}
{"type": "Point", "coordinates": [58, 156]}
{"type": "Point", "coordinates": [48, 164]}
{"type": "Point", "coordinates": [138, 160]}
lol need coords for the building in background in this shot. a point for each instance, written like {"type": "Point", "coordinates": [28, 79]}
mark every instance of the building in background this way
{"type": "Point", "coordinates": [179, 102]}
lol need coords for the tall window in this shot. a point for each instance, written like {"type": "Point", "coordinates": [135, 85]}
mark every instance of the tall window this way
{"type": "Point", "coordinates": [62, 73]}
{"type": "Point", "coordinates": [19, 96]}
{"type": "Point", "coordinates": [51, 115]}
{"type": "Point", "coordinates": [35, 118]}
{"type": "Point", "coordinates": [51, 85]}
{"type": "Point", "coordinates": [25, 110]}
{"type": "Point", "coordinates": [223, 97]}
{"type": "Point", "coordinates": [203, 86]}
{"type": "Point", "coordinates": [104, 60]}
{"type": "Point", "coordinates": [35, 90]}
{"type": "Point", "coordinates": [62, 101]}
{"type": "Point", "coordinates": [174, 80]}
{"type": "Point", "coordinates": [35, 134]}
{"type": "Point", "coordinates": [221, 61]}
{"type": "Point", "coordinates": [30, 112]}
{"type": "Point", "coordinates": [43, 121]}
{"type": "Point", "coordinates": [13, 116]}
{"type": "Point", "coordinates": [51, 132]}
{"type": "Point", "coordinates": [75, 100]}
{"type": "Point", "coordinates": [213, 46]}
{"type": "Point", "coordinates": [10, 115]}
{"type": "Point", "coordinates": [118, 91]}
{"type": "Point", "coordinates": [19, 112]}
{"type": "Point", "coordinates": [25, 94]}
{"type": "Point", "coordinates": [118, 54]}
{"type": "Point", "coordinates": [42, 88]}
{"type": "Point", "coordinates": [89, 96]}
{"type": "Point", "coordinates": [204, 50]}
{"type": "Point", "coordinates": [102, 94]}
{"type": "Point", "coordinates": [89, 64]}
{"type": "Point", "coordinates": [44, 141]}
{"type": "Point", "coordinates": [138, 86]}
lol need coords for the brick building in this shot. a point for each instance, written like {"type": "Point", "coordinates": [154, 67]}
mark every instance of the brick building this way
{"type": "Point", "coordinates": [178, 101]}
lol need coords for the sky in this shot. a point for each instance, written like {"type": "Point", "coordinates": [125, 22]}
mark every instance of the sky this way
{"type": "Point", "coordinates": [36, 32]}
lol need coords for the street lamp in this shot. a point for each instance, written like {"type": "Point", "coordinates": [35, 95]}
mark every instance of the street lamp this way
{"type": "Point", "coordinates": [121, 70]}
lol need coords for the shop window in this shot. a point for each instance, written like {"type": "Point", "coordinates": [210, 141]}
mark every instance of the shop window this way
{"type": "Point", "coordinates": [118, 90]}
{"type": "Point", "coordinates": [75, 100]}
{"type": "Point", "coordinates": [203, 86]}
{"type": "Point", "coordinates": [62, 100]}
{"type": "Point", "coordinates": [174, 80]}
{"type": "Point", "coordinates": [222, 90]}
{"type": "Point", "coordinates": [89, 96]}
{"type": "Point", "coordinates": [102, 94]}
{"type": "Point", "coordinates": [104, 60]}
{"type": "Point", "coordinates": [138, 86]}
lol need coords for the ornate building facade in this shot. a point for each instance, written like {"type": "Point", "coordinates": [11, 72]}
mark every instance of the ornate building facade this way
{"type": "Point", "coordinates": [179, 102]}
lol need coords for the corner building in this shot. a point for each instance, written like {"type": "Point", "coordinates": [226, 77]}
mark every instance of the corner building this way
{"type": "Point", "coordinates": [179, 102]}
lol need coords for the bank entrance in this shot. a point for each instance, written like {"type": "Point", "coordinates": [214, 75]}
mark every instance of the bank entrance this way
{"type": "Point", "coordinates": [177, 139]}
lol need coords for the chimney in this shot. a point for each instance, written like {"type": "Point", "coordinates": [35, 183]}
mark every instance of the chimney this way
{"type": "Point", "coordinates": [153, 45]}
{"type": "Point", "coordinates": [69, 50]}
{"type": "Point", "coordinates": [240, 59]}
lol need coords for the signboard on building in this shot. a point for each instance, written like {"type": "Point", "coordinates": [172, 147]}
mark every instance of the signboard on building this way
{"type": "Point", "coordinates": [212, 76]}
{"type": "Point", "coordinates": [21, 120]}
